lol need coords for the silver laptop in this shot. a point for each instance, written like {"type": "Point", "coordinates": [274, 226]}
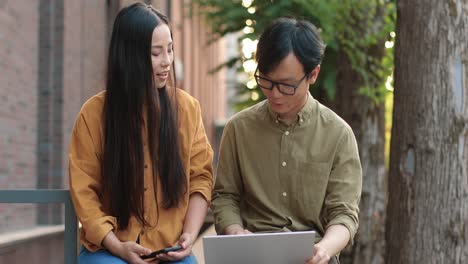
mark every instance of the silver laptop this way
{"type": "Point", "coordinates": [271, 248]}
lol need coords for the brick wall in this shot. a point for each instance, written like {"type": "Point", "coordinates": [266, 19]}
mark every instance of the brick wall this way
{"type": "Point", "coordinates": [196, 59]}
{"type": "Point", "coordinates": [52, 59]}
{"type": "Point", "coordinates": [86, 44]}
{"type": "Point", "coordinates": [50, 105]}
{"type": "Point", "coordinates": [18, 106]}
{"type": "Point", "coordinates": [43, 248]}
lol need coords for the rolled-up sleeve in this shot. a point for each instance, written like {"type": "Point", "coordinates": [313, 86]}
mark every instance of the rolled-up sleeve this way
{"type": "Point", "coordinates": [228, 186]}
{"type": "Point", "coordinates": [201, 159]}
{"type": "Point", "coordinates": [85, 184]}
{"type": "Point", "coordinates": [344, 186]}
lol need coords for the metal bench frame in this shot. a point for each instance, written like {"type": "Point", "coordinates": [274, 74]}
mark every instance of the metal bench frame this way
{"type": "Point", "coordinates": [51, 196]}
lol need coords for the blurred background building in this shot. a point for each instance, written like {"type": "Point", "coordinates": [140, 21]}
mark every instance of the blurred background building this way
{"type": "Point", "coordinates": [52, 59]}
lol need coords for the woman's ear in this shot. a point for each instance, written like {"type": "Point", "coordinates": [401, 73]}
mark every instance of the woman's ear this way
{"type": "Point", "coordinates": [314, 74]}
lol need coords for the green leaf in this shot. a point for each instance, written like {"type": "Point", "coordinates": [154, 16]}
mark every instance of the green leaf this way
{"type": "Point", "coordinates": [355, 28]}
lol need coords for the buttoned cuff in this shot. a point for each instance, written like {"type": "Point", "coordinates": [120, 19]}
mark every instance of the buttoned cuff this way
{"type": "Point", "coordinates": [96, 232]}
{"type": "Point", "coordinates": [206, 194]}
{"type": "Point", "coordinates": [204, 188]}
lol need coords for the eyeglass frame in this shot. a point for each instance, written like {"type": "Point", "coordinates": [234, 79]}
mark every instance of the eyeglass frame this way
{"type": "Point", "coordinates": [273, 83]}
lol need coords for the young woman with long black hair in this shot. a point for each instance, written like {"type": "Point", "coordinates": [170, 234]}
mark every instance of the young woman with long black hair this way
{"type": "Point", "coordinates": [140, 162]}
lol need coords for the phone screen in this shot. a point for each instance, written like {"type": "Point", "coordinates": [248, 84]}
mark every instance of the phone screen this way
{"type": "Point", "coordinates": [164, 250]}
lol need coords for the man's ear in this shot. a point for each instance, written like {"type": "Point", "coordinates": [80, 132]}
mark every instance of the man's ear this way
{"type": "Point", "coordinates": [314, 74]}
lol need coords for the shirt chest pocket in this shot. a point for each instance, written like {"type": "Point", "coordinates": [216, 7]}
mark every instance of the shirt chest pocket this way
{"type": "Point", "coordinates": [311, 185]}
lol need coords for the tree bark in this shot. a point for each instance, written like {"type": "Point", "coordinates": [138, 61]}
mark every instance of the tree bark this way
{"type": "Point", "coordinates": [427, 213]}
{"type": "Point", "coordinates": [368, 123]}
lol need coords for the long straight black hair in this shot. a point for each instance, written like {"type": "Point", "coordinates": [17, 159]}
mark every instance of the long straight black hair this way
{"type": "Point", "coordinates": [130, 95]}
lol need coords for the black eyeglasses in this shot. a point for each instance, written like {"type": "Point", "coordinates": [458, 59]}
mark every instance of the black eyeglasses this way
{"type": "Point", "coordinates": [287, 89]}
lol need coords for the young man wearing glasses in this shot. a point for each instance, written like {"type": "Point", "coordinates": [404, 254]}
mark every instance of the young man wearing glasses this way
{"type": "Point", "coordinates": [289, 163]}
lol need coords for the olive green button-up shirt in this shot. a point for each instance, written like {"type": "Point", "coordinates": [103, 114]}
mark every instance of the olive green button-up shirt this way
{"type": "Point", "coordinates": [275, 177]}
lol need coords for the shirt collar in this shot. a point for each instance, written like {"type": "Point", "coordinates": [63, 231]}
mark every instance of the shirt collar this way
{"type": "Point", "coordinates": [303, 116]}
{"type": "Point", "coordinates": [306, 112]}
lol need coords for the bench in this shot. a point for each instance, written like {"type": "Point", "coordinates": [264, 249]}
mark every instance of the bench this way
{"type": "Point", "coordinates": [51, 196]}
{"type": "Point", "coordinates": [71, 224]}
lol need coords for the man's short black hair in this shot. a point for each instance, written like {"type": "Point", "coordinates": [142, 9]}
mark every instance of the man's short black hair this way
{"type": "Point", "coordinates": [286, 35]}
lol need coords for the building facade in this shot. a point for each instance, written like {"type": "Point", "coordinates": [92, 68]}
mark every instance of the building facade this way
{"type": "Point", "coordinates": [52, 59]}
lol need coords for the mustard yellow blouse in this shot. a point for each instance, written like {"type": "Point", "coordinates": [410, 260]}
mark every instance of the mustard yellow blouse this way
{"type": "Point", "coordinates": [85, 156]}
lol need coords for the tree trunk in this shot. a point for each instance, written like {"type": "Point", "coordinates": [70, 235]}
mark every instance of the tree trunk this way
{"type": "Point", "coordinates": [368, 123]}
{"type": "Point", "coordinates": [427, 213]}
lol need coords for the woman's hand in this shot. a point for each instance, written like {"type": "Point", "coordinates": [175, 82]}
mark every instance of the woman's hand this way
{"type": "Point", "coordinates": [128, 251]}
{"type": "Point", "coordinates": [186, 241]}
{"type": "Point", "coordinates": [321, 255]}
{"type": "Point", "coordinates": [131, 252]}
{"type": "Point", "coordinates": [194, 218]}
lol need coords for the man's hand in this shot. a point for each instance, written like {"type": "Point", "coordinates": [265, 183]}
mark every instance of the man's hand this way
{"type": "Point", "coordinates": [236, 230]}
{"type": "Point", "coordinates": [321, 255]}
{"type": "Point", "coordinates": [186, 241]}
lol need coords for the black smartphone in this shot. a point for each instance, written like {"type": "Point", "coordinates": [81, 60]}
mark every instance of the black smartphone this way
{"type": "Point", "coordinates": [164, 250]}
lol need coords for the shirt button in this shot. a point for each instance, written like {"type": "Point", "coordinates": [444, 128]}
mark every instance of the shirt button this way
{"type": "Point", "coordinates": [301, 120]}
{"type": "Point", "coordinates": [145, 189]}
{"type": "Point", "coordinates": [142, 232]}
{"type": "Point", "coordinates": [146, 166]}
{"type": "Point", "coordinates": [276, 121]}
{"type": "Point", "coordinates": [283, 164]}
{"type": "Point", "coordinates": [285, 194]}
{"type": "Point", "coordinates": [286, 133]}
